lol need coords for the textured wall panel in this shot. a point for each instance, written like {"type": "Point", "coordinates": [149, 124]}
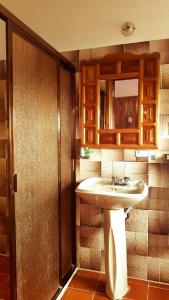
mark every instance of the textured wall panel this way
{"type": "Point", "coordinates": [35, 162]}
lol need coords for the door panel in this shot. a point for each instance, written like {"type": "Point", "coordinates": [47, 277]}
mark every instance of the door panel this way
{"type": "Point", "coordinates": [36, 166]}
{"type": "Point", "coordinates": [66, 119]}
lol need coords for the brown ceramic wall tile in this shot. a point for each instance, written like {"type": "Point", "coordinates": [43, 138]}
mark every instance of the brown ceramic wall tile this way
{"type": "Point", "coordinates": [158, 222]}
{"type": "Point", "coordinates": [163, 125]}
{"type": "Point", "coordinates": [95, 259]}
{"type": "Point", "coordinates": [165, 76]}
{"type": "Point", "coordinates": [164, 270]}
{"type": "Point", "coordinates": [143, 205]}
{"type": "Point", "coordinates": [141, 244]}
{"type": "Point", "coordinates": [153, 269]}
{"type": "Point", "coordinates": [90, 237]}
{"type": "Point", "coordinates": [165, 175]}
{"type": "Point", "coordinates": [112, 154]}
{"type": "Point", "coordinates": [138, 221]}
{"type": "Point", "coordinates": [164, 105]}
{"type": "Point", "coordinates": [106, 169]}
{"type": "Point", "coordinates": [159, 199]}
{"type": "Point", "coordinates": [84, 54]}
{"type": "Point", "coordinates": [89, 168]}
{"type": "Point", "coordinates": [131, 240]}
{"type": "Point", "coordinates": [137, 266]}
{"type": "Point", "coordinates": [164, 57]}
{"type": "Point", "coordinates": [90, 215]}
{"type": "Point", "coordinates": [129, 155]}
{"type": "Point", "coordinates": [98, 53]}
{"type": "Point", "coordinates": [158, 246]}
{"type": "Point", "coordinates": [87, 165]}
{"type": "Point", "coordinates": [85, 257]}
{"type": "Point", "coordinates": [84, 175]}
{"type": "Point", "coordinates": [142, 159]}
{"type": "Point", "coordinates": [163, 144]}
{"type": "Point", "coordinates": [137, 48]}
{"type": "Point", "coordinates": [159, 193]}
{"type": "Point", "coordinates": [136, 168]}
{"type": "Point", "coordinates": [118, 168]}
{"type": "Point", "coordinates": [159, 45]}
{"type": "Point", "coordinates": [154, 174]}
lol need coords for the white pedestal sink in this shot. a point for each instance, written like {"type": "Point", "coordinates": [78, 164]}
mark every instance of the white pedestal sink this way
{"type": "Point", "coordinates": [113, 199]}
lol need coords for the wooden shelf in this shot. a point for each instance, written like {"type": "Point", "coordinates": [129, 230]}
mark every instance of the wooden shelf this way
{"type": "Point", "coordinates": [119, 76]}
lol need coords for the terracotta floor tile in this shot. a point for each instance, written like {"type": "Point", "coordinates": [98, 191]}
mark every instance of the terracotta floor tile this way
{"type": "Point", "coordinates": [87, 280]}
{"type": "Point", "coordinates": [159, 285]}
{"type": "Point", "coordinates": [101, 297]}
{"type": "Point", "coordinates": [136, 292]}
{"type": "Point", "coordinates": [136, 280]}
{"type": "Point", "coordinates": [79, 295]}
{"type": "Point", "coordinates": [71, 283]}
{"type": "Point", "coordinates": [158, 294]}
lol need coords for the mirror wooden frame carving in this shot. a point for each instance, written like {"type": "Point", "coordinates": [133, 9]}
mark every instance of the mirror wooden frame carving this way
{"type": "Point", "coordinates": [146, 68]}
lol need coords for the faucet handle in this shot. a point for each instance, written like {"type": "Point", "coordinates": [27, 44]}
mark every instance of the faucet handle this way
{"type": "Point", "coordinates": [126, 179]}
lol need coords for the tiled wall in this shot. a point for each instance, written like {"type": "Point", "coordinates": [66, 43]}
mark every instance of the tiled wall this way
{"type": "Point", "coordinates": [147, 228]}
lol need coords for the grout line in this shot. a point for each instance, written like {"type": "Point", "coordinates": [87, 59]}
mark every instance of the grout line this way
{"type": "Point", "coordinates": [160, 288]}
{"type": "Point", "coordinates": [148, 290]}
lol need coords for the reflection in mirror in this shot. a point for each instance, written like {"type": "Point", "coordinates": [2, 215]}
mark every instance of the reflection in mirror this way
{"type": "Point", "coordinates": [119, 103]}
{"type": "Point", "coordinates": [4, 213]}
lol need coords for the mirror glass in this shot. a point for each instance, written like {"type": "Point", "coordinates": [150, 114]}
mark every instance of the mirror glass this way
{"type": "Point", "coordinates": [119, 103]}
{"type": "Point", "coordinates": [4, 199]}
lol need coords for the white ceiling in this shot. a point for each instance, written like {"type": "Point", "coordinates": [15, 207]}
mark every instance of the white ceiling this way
{"type": "Point", "coordinates": [80, 24]}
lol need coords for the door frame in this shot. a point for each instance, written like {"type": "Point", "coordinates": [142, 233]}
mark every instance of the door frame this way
{"type": "Point", "coordinates": [73, 171]}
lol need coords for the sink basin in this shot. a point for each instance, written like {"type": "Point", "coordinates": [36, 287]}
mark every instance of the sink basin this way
{"type": "Point", "coordinates": [99, 191]}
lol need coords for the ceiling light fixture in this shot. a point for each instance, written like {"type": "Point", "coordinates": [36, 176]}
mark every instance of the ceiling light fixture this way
{"type": "Point", "coordinates": [128, 28]}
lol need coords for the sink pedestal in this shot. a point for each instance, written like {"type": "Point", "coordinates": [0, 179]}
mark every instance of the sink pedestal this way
{"type": "Point", "coordinates": [115, 253]}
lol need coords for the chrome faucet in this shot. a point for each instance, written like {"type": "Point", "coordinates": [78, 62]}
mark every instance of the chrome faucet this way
{"type": "Point", "coordinates": [120, 180]}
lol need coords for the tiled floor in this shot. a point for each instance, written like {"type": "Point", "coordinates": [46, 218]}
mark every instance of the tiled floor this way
{"type": "Point", "coordinates": [4, 278]}
{"type": "Point", "coordinates": [87, 285]}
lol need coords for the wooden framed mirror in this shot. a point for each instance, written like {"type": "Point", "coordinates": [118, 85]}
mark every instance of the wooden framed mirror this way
{"type": "Point", "coordinates": [120, 101]}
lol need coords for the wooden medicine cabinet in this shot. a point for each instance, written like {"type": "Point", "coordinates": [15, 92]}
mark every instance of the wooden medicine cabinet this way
{"type": "Point", "coordinates": [119, 101]}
